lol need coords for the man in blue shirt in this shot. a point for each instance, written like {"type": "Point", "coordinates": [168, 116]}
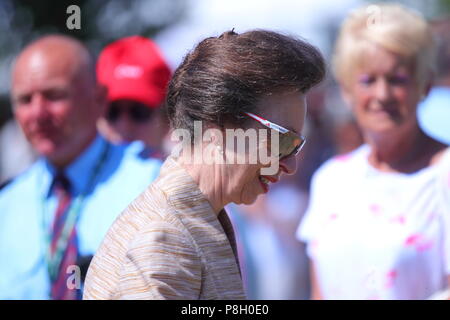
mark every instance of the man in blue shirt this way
{"type": "Point", "coordinates": [55, 215]}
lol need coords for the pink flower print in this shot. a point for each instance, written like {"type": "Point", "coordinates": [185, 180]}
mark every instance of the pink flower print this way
{"type": "Point", "coordinates": [400, 219]}
{"type": "Point", "coordinates": [375, 208]}
{"type": "Point", "coordinates": [390, 278]}
{"type": "Point", "coordinates": [314, 247]}
{"type": "Point", "coordinates": [419, 242]}
{"type": "Point", "coordinates": [424, 246]}
{"type": "Point", "coordinates": [333, 216]}
{"type": "Point", "coordinates": [412, 240]}
{"type": "Point", "coordinates": [342, 157]}
{"type": "Point", "coordinates": [330, 219]}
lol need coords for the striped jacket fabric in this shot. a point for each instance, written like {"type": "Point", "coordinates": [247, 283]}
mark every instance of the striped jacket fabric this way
{"type": "Point", "coordinates": [167, 244]}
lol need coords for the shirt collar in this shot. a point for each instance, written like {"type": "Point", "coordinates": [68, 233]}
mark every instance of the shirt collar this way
{"type": "Point", "coordinates": [196, 213]}
{"type": "Point", "coordinates": [81, 169]}
{"type": "Point", "coordinates": [183, 192]}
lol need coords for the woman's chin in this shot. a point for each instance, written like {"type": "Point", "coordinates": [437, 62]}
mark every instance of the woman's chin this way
{"type": "Point", "coordinates": [250, 199]}
{"type": "Point", "coordinates": [249, 202]}
{"type": "Point", "coordinates": [386, 130]}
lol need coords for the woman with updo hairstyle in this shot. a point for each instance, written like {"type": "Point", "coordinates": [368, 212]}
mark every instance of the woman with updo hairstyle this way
{"type": "Point", "coordinates": [378, 223]}
{"type": "Point", "coordinates": [175, 241]}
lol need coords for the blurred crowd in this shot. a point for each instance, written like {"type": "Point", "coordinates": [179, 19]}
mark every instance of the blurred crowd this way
{"type": "Point", "coordinates": [132, 72]}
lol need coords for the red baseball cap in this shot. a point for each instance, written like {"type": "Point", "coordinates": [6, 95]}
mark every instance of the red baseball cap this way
{"type": "Point", "coordinates": [133, 68]}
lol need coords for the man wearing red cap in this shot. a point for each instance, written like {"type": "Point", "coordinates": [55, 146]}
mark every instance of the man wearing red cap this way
{"type": "Point", "coordinates": [136, 77]}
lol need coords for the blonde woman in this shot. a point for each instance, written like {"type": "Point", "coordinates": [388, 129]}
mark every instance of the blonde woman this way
{"type": "Point", "coordinates": [378, 224]}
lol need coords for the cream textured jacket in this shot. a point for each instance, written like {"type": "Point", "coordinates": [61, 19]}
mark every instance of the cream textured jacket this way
{"type": "Point", "coordinates": [168, 244]}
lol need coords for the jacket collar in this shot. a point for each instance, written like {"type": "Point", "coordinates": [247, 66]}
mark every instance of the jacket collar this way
{"type": "Point", "coordinates": [198, 216]}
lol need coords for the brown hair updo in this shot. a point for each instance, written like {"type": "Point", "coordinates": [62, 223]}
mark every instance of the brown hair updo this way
{"type": "Point", "coordinates": [224, 76]}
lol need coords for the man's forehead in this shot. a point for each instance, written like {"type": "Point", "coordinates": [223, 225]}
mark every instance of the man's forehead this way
{"type": "Point", "coordinates": [41, 71]}
{"type": "Point", "coordinates": [26, 87]}
{"type": "Point", "coordinates": [45, 62]}
{"type": "Point", "coordinates": [55, 56]}
{"type": "Point", "coordinates": [40, 79]}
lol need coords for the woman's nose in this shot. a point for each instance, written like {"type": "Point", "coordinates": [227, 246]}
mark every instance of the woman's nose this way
{"type": "Point", "coordinates": [288, 165]}
{"type": "Point", "coordinates": [383, 90]}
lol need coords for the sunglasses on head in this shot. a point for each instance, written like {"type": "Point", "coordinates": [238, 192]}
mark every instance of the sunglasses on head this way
{"type": "Point", "coordinates": [137, 112]}
{"type": "Point", "coordinates": [290, 143]}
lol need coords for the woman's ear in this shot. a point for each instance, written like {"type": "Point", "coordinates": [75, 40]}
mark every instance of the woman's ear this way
{"type": "Point", "coordinates": [427, 88]}
{"type": "Point", "coordinates": [212, 133]}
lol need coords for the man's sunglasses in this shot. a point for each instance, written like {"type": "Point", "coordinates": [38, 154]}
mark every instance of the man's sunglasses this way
{"type": "Point", "coordinates": [137, 112]}
{"type": "Point", "coordinates": [289, 142]}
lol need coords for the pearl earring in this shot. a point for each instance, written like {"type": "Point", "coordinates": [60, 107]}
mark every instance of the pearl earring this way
{"type": "Point", "coordinates": [219, 149]}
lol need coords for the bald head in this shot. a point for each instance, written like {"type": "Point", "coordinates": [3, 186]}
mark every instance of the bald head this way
{"type": "Point", "coordinates": [56, 98]}
{"type": "Point", "coordinates": [63, 53]}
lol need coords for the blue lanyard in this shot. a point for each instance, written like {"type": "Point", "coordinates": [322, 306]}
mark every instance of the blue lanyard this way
{"type": "Point", "coordinates": [54, 260]}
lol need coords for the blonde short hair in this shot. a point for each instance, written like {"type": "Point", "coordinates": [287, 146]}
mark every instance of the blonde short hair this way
{"type": "Point", "coordinates": [390, 26]}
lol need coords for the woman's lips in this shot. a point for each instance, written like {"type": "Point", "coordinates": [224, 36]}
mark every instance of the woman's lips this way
{"type": "Point", "coordinates": [271, 179]}
{"type": "Point", "coordinates": [265, 180]}
{"type": "Point", "coordinates": [390, 111]}
{"type": "Point", "coordinates": [264, 186]}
